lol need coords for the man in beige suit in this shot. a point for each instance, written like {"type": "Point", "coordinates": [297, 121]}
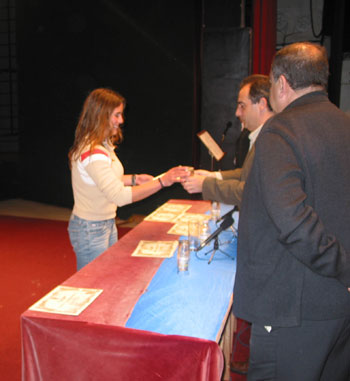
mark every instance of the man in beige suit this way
{"type": "Point", "coordinates": [253, 110]}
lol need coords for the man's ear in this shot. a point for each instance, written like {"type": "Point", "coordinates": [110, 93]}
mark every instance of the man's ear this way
{"type": "Point", "coordinates": [283, 85]}
{"type": "Point", "coordinates": [263, 103]}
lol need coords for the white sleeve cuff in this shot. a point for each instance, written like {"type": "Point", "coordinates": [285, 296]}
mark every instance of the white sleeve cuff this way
{"type": "Point", "coordinates": [218, 175]}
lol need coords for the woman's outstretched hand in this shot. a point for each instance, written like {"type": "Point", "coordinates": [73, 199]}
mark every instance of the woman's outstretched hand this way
{"type": "Point", "coordinates": [175, 175]}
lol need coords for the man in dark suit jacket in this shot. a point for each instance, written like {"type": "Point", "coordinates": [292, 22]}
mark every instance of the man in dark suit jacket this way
{"type": "Point", "coordinates": [241, 148]}
{"type": "Point", "coordinates": [253, 109]}
{"type": "Point", "coordinates": [293, 262]}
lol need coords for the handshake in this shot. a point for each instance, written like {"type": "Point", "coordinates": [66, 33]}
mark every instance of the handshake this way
{"type": "Point", "coordinates": [191, 179]}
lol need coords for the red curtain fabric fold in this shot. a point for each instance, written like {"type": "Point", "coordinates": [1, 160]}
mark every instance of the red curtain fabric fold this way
{"type": "Point", "coordinates": [264, 35]}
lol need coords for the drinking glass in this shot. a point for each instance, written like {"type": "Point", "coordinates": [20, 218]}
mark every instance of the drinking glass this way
{"type": "Point", "coordinates": [204, 231]}
{"type": "Point", "coordinates": [215, 210]}
{"type": "Point", "coordinates": [193, 233]}
{"type": "Point", "coordinates": [183, 256]}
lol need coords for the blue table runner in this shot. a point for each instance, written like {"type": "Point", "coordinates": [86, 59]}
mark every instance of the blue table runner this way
{"type": "Point", "coordinates": [190, 305]}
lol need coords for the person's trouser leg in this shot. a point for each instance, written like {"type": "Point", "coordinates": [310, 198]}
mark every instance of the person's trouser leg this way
{"type": "Point", "coordinates": [310, 352]}
{"type": "Point", "coordinates": [90, 238]}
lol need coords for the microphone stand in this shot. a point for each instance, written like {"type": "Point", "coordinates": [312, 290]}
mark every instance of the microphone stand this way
{"type": "Point", "coordinates": [228, 126]}
{"type": "Point", "coordinates": [226, 223]}
{"type": "Point", "coordinates": [215, 249]}
{"type": "Point", "coordinates": [211, 161]}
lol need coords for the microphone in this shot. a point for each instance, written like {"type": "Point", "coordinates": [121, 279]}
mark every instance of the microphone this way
{"type": "Point", "coordinates": [226, 223]}
{"type": "Point", "coordinates": [235, 209]}
{"type": "Point", "coordinates": [228, 125]}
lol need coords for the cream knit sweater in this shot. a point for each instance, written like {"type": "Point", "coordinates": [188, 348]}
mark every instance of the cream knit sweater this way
{"type": "Point", "coordinates": [97, 181]}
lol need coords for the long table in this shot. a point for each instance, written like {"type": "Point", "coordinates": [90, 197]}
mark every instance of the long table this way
{"type": "Point", "coordinates": [149, 323]}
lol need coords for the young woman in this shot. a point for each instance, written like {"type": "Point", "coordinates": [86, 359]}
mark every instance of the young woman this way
{"type": "Point", "coordinates": [98, 180]}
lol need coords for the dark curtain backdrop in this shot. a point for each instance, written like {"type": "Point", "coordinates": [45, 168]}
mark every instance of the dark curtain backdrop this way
{"type": "Point", "coordinates": [155, 54]}
{"type": "Point", "coordinates": [226, 61]}
{"type": "Point", "coordinates": [144, 50]}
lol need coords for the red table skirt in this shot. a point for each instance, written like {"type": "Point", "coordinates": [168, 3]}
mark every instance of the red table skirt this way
{"type": "Point", "coordinates": [82, 351]}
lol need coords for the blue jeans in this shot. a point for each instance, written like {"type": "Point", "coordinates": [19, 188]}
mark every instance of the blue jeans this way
{"type": "Point", "coordinates": [90, 238]}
